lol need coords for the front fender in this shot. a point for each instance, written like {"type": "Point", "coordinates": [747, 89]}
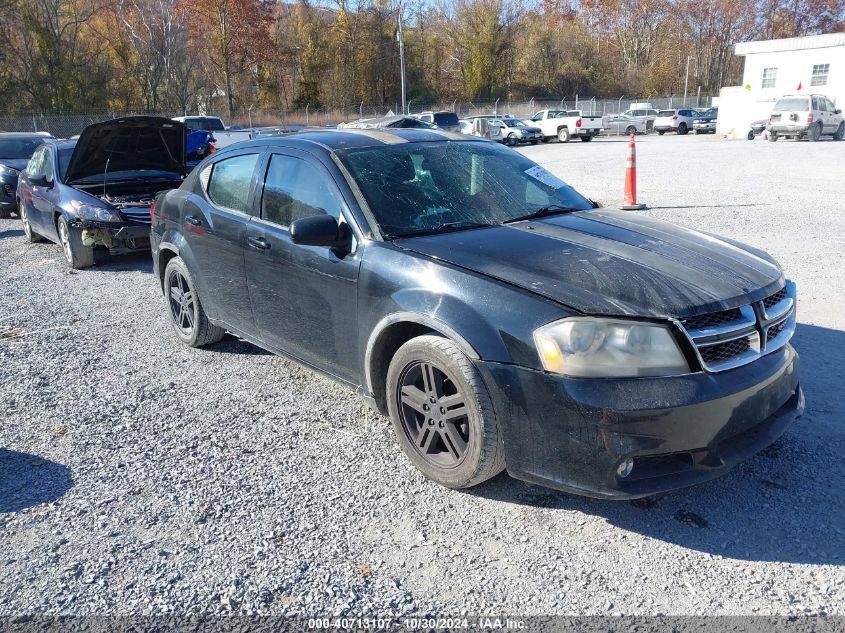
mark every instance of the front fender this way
{"type": "Point", "coordinates": [486, 318]}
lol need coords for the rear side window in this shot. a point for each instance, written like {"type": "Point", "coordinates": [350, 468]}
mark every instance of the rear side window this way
{"type": "Point", "coordinates": [228, 185]}
{"type": "Point", "coordinates": [446, 118]}
{"type": "Point", "coordinates": [212, 124]}
{"type": "Point", "coordinates": [296, 189]}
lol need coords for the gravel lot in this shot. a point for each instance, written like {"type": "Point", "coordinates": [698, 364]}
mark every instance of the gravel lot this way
{"type": "Point", "coordinates": [138, 476]}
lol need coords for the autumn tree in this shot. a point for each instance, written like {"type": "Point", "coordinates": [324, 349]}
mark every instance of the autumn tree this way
{"type": "Point", "coordinates": [233, 35]}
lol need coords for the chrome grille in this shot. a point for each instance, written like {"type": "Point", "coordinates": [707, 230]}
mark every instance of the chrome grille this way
{"type": "Point", "coordinates": [730, 338]}
{"type": "Point", "coordinates": [137, 214]}
{"type": "Point", "coordinates": [713, 319]}
{"type": "Point", "coordinates": [772, 300]}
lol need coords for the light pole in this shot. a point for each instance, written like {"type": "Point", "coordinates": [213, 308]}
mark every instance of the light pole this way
{"type": "Point", "coordinates": [401, 41]}
{"type": "Point", "coordinates": [686, 80]}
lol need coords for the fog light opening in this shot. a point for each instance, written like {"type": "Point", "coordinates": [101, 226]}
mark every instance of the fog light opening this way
{"type": "Point", "coordinates": [625, 467]}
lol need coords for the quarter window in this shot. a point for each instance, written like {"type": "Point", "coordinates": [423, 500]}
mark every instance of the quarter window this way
{"type": "Point", "coordinates": [297, 189]}
{"type": "Point", "coordinates": [820, 72]}
{"type": "Point", "coordinates": [229, 183]}
{"type": "Point", "coordinates": [770, 77]}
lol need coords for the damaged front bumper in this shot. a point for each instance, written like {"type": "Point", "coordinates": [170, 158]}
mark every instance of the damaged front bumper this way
{"type": "Point", "coordinates": [118, 237]}
{"type": "Point", "coordinates": [573, 434]}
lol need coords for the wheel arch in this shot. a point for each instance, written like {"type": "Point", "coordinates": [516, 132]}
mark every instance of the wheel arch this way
{"type": "Point", "coordinates": [389, 335]}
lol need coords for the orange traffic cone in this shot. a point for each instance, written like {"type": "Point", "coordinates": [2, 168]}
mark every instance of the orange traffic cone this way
{"type": "Point", "coordinates": [630, 201]}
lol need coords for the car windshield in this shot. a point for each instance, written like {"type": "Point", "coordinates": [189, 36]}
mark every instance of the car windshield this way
{"type": "Point", "coordinates": [666, 113]}
{"type": "Point", "coordinates": [19, 147]}
{"type": "Point", "coordinates": [798, 104]}
{"type": "Point", "coordinates": [518, 123]}
{"type": "Point", "coordinates": [413, 188]}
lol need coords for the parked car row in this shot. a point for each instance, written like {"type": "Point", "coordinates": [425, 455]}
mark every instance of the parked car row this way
{"type": "Point", "coordinates": [451, 282]}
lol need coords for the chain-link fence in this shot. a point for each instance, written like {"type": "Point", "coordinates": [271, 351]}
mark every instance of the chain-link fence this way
{"type": "Point", "coordinates": [68, 125]}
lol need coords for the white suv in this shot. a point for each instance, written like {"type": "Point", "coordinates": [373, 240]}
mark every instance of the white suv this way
{"type": "Point", "coordinates": [679, 121]}
{"type": "Point", "coordinates": [805, 116]}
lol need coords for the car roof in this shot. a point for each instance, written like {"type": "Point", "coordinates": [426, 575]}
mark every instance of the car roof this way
{"type": "Point", "coordinates": [37, 135]}
{"type": "Point", "coordinates": [347, 138]}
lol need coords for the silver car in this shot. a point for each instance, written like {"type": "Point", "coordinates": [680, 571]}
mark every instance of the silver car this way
{"type": "Point", "coordinates": [624, 124]}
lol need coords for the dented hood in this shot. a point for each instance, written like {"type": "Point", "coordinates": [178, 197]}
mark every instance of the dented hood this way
{"type": "Point", "coordinates": [139, 143]}
{"type": "Point", "coordinates": [612, 263]}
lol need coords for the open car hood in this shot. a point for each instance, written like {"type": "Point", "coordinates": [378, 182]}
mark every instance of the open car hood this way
{"type": "Point", "coordinates": [139, 143]}
{"type": "Point", "coordinates": [607, 262]}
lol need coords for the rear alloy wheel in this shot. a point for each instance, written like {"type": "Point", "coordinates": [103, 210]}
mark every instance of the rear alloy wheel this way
{"type": "Point", "coordinates": [563, 135]}
{"type": "Point", "coordinates": [814, 132]}
{"type": "Point", "coordinates": [773, 137]}
{"type": "Point", "coordinates": [442, 413]}
{"type": "Point", "coordinates": [840, 132]}
{"type": "Point", "coordinates": [76, 253]}
{"type": "Point", "coordinates": [661, 132]}
{"type": "Point", "coordinates": [682, 129]}
{"type": "Point", "coordinates": [630, 130]}
{"type": "Point", "coordinates": [186, 312]}
{"type": "Point", "coordinates": [30, 235]}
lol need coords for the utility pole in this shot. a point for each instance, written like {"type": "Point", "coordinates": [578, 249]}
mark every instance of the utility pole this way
{"type": "Point", "coordinates": [401, 40]}
{"type": "Point", "coordinates": [686, 81]}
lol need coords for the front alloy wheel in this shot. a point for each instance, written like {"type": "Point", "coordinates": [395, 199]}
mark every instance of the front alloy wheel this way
{"type": "Point", "coordinates": [442, 413]}
{"type": "Point", "coordinates": [434, 414]}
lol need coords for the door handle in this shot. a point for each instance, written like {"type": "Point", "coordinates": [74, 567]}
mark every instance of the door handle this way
{"type": "Point", "coordinates": [258, 242]}
{"type": "Point", "coordinates": [192, 219]}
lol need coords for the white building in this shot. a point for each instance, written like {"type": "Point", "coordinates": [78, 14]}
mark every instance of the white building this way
{"type": "Point", "coordinates": [796, 65]}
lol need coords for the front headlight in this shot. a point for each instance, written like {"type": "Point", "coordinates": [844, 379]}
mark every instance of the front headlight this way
{"type": "Point", "coordinates": [5, 170]}
{"type": "Point", "coordinates": [592, 347]}
{"type": "Point", "coordinates": [90, 212]}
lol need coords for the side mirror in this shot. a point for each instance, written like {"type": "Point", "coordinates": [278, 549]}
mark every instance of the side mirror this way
{"type": "Point", "coordinates": [316, 230]}
{"type": "Point", "coordinates": [40, 181]}
{"type": "Point", "coordinates": [837, 111]}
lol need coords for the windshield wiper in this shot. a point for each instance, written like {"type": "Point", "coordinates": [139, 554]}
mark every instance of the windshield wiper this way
{"type": "Point", "coordinates": [542, 212]}
{"type": "Point", "coordinates": [443, 228]}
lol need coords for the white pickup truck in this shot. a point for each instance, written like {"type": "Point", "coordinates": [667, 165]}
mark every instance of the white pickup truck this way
{"type": "Point", "coordinates": [213, 124]}
{"type": "Point", "coordinates": [564, 124]}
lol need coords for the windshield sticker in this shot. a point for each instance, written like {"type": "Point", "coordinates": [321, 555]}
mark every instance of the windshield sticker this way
{"type": "Point", "coordinates": [546, 177]}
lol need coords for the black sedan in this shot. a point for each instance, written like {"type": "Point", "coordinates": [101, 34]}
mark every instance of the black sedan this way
{"type": "Point", "coordinates": [495, 314]}
{"type": "Point", "coordinates": [15, 151]}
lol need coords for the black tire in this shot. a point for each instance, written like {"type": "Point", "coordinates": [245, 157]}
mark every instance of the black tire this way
{"type": "Point", "coordinates": [682, 129]}
{"type": "Point", "coordinates": [545, 139]}
{"type": "Point", "coordinates": [630, 130]}
{"type": "Point", "coordinates": [814, 132]}
{"type": "Point", "coordinates": [563, 135]}
{"type": "Point", "coordinates": [697, 132]}
{"type": "Point", "coordinates": [839, 134]}
{"type": "Point", "coordinates": [661, 132]}
{"type": "Point", "coordinates": [750, 135]}
{"type": "Point", "coordinates": [534, 142]}
{"type": "Point", "coordinates": [773, 137]}
{"type": "Point", "coordinates": [28, 234]}
{"type": "Point", "coordinates": [5, 214]}
{"type": "Point", "coordinates": [187, 315]}
{"type": "Point", "coordinates": [586, 139]}
{"type": "Point", "coordinates": [76, 253]}
{"type": "Point", "coordinates": [459, 452]}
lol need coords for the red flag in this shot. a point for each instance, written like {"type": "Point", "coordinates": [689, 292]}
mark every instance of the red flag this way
{"type": "Point", "coordinates": [799, 85]}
